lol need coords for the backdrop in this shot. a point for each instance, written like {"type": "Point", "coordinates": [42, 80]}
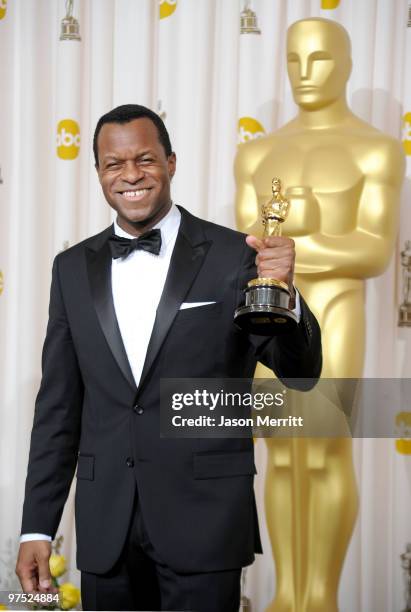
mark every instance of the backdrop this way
{"type": "Point", "coordinates": [215, 85]}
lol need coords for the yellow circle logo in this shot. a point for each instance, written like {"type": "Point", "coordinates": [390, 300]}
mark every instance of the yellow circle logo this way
{"type": "Point", "coordinates": [1, 282]}
{"type": "Point", "coordinates": [249, 129]}
{"type": "Point", "coordinates": [329, 4]}
{"type": "Point", "coordinates": [403, 428]}
{"type": "Point", "coordinates": [3, 8]}
{"type": "Point", "coordinates": [406, 122]}
{"type": "Point", "coordinates": [68, 139]}
{"type": "Point", "coordinates": [167, 8]}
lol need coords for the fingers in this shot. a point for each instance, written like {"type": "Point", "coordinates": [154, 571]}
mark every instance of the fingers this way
{"type": "Point", "coordinates": [259, 244]}
{"type": "Point", "coordinates": [280, 272]}
{"type": "Point", "coordinates": [275, 257]}
{"type": "Point", "coordinates": [278, 241]}
{"type": "Point", "coordinates": [32, 566]}
{"type": "Point", "coordinates": [26, 570]}
{"type": "Point", "coordinates": [44, 572]}
{"type": "Point", "coordinates": [254, 242]}
{"type": "Point", "coordinates": [276, 252]}
{"type": "Point", "coordinates": [28, 583]}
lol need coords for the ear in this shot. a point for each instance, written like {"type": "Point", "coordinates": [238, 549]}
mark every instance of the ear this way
{"type": "Point", "coordinates": [172, 164]}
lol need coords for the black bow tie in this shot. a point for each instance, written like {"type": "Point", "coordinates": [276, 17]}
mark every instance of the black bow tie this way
{"type": "Point", "coordinates": [122, 247]}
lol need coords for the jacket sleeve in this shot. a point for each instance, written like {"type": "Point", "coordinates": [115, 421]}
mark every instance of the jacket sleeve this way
{"type": "Point", "coordinates": [57, 422]}
{"type": "Point", "coordinates": [297, 355]}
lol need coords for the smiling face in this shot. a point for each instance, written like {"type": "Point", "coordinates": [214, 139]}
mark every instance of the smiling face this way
{"type": "Point", "coordinates": [135, 173]}
{"type": "Point", "coordinates": [318, 62]}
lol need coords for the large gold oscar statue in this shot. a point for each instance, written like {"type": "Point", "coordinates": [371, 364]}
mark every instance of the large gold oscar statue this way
{"type": "Point", "coordinates": [344, 179]}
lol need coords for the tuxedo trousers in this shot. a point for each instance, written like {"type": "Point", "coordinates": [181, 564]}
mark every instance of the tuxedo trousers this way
{"type": "Point", "coordinates": [141, 581]}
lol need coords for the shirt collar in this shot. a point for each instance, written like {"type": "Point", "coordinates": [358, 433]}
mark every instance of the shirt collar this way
{"type": "Point", "coordinates": [168, 225]}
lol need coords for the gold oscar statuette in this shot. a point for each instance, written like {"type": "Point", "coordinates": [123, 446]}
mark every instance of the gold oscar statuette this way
{"type": "Point", "coordinates": [70, 27]}
{"type": "Point", "coordinates": [266, 311]}
{"type": "Point", "coordinates": [248, 20]}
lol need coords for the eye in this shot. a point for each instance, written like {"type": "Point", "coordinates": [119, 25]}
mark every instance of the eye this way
{"type": "Point", "coordinates": [112, 165]}
{"type": "Point", "coordinates": [146, 160]}
{"type": "Point", "coordinates": [292, 57]}
{"type": "Point", "coordinates": [320, 55]}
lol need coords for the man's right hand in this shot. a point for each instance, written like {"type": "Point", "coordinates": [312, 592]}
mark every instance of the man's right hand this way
{"type": "Point", "coordinates": [32, 566]}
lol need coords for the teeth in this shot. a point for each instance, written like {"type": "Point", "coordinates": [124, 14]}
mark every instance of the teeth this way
{"type": "Point", "coordinates": [133, 194]}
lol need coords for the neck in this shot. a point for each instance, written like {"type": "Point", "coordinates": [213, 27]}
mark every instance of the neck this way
{"type": "Point", "coordinates": [333, 114]}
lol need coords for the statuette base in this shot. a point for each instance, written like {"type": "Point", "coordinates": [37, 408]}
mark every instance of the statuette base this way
{"type": "Point", "coordinates": [266, 310]}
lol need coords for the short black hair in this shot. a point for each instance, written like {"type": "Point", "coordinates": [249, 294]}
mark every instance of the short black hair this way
{"type": "Point", "coordinates": [127, 113]}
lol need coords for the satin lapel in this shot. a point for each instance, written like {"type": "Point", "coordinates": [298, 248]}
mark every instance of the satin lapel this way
{"type": "Point", "coordinates": [99, 273]}
{"type": "Point", "coordinates": [185, 264]}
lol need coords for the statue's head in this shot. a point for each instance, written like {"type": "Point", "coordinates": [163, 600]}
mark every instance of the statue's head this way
{"type": "Point", "coordinates": [318, 61]}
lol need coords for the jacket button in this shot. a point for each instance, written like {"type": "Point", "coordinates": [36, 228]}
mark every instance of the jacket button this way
{"type": "Point", "coordinates": [138, 409]}
{"type": "Point", "coordinates": [129, 462]}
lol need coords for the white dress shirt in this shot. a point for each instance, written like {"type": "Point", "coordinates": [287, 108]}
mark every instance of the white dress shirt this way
{"type": "Point", "coordinates": [137, 284]}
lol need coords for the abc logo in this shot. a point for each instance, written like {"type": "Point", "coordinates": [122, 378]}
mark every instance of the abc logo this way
{"type": "Point", "coordinates": [3, 8]}
{"type": "Point", "coordinates": [249, 129]}
{"type": "Point", "coordinates": [68, 139]}
{"type": "Point", "coordinates": [403, 430]}
{"type": "Point", "coordinates": [329, 4]}
{"type": "Point", "coordinates": [407, 133]}
{"type": "Point", "coordinates": [167, 8]}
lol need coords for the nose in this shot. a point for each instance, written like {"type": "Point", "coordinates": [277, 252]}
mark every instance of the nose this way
{"type": "Point", "coordinates": [132, 172]}
{"type": "Point", "coordinates": [304, 68]}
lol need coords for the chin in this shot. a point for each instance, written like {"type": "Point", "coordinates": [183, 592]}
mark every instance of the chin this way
{"type": "Point", "coordinates": [308, 99]}
{"type": "Point", "coordinates": [135, 213]}
{"type": "Point", "coordinates": [139, 216]}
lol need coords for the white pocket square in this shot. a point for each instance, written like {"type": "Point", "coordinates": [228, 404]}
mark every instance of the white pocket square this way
{"type": "Point", "coordinates": [186, 305]}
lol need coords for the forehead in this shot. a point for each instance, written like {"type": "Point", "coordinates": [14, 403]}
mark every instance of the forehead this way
{"type": "Point", "coordinates": [133, 135]}
{"type": "Point", "coordinates": [310, 36]}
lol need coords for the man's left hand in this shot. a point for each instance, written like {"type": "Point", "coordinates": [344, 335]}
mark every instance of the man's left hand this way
{"type": "Point", "coordinates": [275, 259]}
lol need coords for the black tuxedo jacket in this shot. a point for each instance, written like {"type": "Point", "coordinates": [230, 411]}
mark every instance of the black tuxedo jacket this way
{"type": "Point", "coordinates": [196, 495]}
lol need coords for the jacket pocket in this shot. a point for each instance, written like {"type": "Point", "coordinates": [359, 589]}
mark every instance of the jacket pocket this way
{"type": "Point", "coordinates": [221, 465]}
{"type": "Point", "coordinates": [85, 467]}
{"type": "Point", "coordinates": [207, 310]}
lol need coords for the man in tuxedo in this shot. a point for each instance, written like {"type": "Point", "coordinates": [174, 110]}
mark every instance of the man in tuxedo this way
{"type": "Point", "coordinates": [161, 523]}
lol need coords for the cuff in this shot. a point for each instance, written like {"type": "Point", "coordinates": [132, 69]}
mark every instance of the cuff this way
{"type": "Point", "coordinates": [29, 537]}
{"type": "Point", "coordinates": [297, 309]}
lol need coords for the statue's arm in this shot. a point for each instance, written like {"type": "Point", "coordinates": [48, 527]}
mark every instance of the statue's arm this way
{"type": "Point", "coordinates": [366, 250]}
{"type": "Point", "coordinates": [246, 202]}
